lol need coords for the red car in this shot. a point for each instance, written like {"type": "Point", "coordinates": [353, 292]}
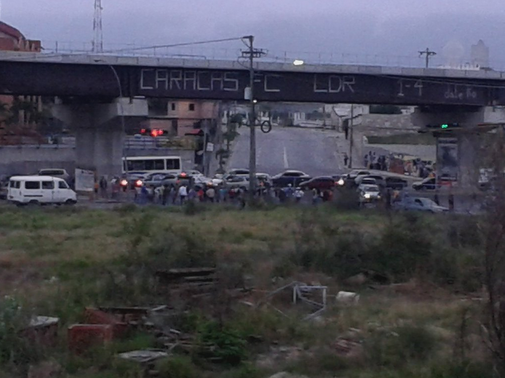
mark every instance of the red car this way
{"type": "Point", "coordinates": [321, 183]}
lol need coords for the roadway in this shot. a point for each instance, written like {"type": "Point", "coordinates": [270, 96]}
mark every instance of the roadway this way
{"type": "Point", "coordinates": [314, 151]}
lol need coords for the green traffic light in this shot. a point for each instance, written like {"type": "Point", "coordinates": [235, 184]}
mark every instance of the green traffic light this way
{"type": "Point", "coordinates": [445, 126]}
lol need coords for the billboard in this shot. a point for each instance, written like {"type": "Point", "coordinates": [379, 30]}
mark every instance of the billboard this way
{"type": "Point", "coordinates": [447, 159]}
{"type": "Point", "coordinates": [84, 180]}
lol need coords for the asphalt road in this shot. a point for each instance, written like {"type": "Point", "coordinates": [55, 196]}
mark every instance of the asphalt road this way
{"type": "Point", "coordinates": [314, 151]}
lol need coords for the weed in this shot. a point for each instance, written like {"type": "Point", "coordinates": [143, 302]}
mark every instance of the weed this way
{"type": "Point", "coordinates": [318, 362]}
{"type": "Point", "coordinates": [226, 343]}
{"type": "Point", "coordinates": [177, 367]}
{"type": "Point", "coordinates": [400, 345]}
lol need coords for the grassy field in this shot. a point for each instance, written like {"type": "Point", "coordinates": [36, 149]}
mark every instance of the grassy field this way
{"type": "Point", "coordinates": [422, 322]}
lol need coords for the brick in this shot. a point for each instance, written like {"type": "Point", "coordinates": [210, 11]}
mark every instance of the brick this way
{"type": "Point", "coordinates": [95, 316]}
{"type": "Point", "coordinates": [81, 337]}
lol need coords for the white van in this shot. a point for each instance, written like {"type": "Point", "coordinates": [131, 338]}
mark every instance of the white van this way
{"type": "Point", "coordinates": [38, 190]}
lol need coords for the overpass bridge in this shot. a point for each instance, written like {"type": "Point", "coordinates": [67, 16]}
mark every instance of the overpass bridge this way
{"type": "Point", "coordinates": [97, 90]}
{"type": "Point", "coordinates": [91, 76]}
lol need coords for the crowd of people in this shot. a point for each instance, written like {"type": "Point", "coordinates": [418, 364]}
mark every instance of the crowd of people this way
{"type": "Point", "coordinates": [176, 195]}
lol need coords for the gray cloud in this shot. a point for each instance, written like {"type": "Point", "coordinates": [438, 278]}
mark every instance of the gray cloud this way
{"type": "Point", "coordinates": [387, 27]}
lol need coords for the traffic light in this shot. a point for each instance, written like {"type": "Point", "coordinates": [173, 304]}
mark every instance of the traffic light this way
{"type": "Point", "coordinates": [152, 132]}
{"type": "Point", "coordinates": [443, 126]}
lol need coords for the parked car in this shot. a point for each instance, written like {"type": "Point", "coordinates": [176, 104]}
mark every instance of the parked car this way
{"type": "Point", "coordinates": [238, 172]}
{"type": "Point", "coordinates": [184, 179]}
{"type": "Point", "coordinates": [396, 183]}
{"type": "Point", "coordinates": [264, 178]}
{"type": "Point", "coordinates": [321, 183]}
{"type": "Point", "coordinates": [379, 180]}
{"type": "Point", "coordinates": [55, 172]}
{"type": "Point", "coordinates": [419, 204]}
{"type": "Point", "coordinates": [295, 178]}
{"type": "Point", "coordinates": [369, 193]}
{"type": "Point", "coordinates": [429, 183]}
{"type": "Point", "coordinates": [234, 182]}
{"type": "Point", "coordinates": [367, 181]}
{"type": "Point", "coordinates": [339, 179]}
{"type": "Point", "coordinates": [159, 179]}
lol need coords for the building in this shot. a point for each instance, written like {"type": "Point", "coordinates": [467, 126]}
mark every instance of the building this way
{"type": "Point", "coordinates": [480, 55]}
{"type": "Point", "coordinates": [183, 117]}
{"type": "Point", "coordinates": [12, 39]}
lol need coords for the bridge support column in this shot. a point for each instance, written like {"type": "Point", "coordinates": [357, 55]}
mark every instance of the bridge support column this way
{"type": "Point", "coordinates": [100, 132]}
{"type": "Point", "coordinates": [459, 152]}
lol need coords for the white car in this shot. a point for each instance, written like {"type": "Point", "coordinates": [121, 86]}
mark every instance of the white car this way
{"type": "Point", "coordinates": [238, 172]}
{"type": "Point", "coordinates": [369, 193]}
{"type": "Point", "coordinates": [55, 172]}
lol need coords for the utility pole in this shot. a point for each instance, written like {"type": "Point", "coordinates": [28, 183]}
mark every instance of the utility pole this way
{"type": "Point", "coordinates": [428, 54]}
{"type": "Point", "coordinates": [252, 53]}
{"type": "Point", "coordinates": [351, 138]}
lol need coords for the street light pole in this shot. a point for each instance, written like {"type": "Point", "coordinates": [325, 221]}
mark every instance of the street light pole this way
{"type": "Point", "coordinates": [251, 53]}
{"type": "Point", "coordinates": [252, 121]}
{"type": "Point", "coordinates": [351, 141]}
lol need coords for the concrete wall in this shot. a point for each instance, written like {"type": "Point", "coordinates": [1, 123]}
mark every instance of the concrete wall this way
{"type": "Point", "coordinates": [29, 159]}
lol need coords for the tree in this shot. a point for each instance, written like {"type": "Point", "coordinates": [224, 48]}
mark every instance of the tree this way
{"type": "Point", "coordinates": [493, 232]}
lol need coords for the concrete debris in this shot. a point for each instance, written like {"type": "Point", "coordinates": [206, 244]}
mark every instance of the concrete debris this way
{"type": "Point", "coordinates": [42, 330]}
{"type": "Point", "coordinates": [347, 297]}
{"type": "Point", "coordinates": [43, 321]}
{"type": "Point", "coordinates": [143, 356]}
{"type": "Point", "coordinates": [349, 344]}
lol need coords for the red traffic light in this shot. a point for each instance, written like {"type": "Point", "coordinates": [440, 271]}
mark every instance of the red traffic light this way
{"type": "Point", "coordinates": [152, 132]}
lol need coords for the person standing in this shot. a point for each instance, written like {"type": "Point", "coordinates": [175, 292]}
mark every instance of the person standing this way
{"type": "Point", "coordinates": [183, 193]}
{"type": "Point", "coordinates": [346, 159]}
{"type": "Point", "coordinates": [164, 196]}
{"type": "Point", "coordinates": [192, 195]}
{"type": "Point", "coordinates": [211, 193]}
{"type": "Point", "coordinates": [299, 194]}
{"type": "Point", "coordinates": [103, 187]}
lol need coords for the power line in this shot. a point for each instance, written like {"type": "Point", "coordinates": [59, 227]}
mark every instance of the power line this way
{"type": "Point", "coordinates": [179, 44]}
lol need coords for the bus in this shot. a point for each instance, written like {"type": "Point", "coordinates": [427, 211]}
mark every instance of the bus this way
{"type": "Point", "coordinates": [148, 164]}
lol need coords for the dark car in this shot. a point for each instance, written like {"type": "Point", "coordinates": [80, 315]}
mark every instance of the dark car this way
{"type": "Point", "coordinates": [295, 178]}
{"type": "Point", "coordinates": [159, 179]}
{"type": "Point", "coordinates": [321, 183]}
{"type": "Point", "coordinates": [395, 183]}
{"type": "Point", "coordinates": [419, 204]}
{"type": "Point", "coordinates": [426, 184]}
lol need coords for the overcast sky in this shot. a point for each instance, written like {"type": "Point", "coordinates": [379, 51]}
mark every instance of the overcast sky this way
{"type": "Point", "coordinates": [372, 27]}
